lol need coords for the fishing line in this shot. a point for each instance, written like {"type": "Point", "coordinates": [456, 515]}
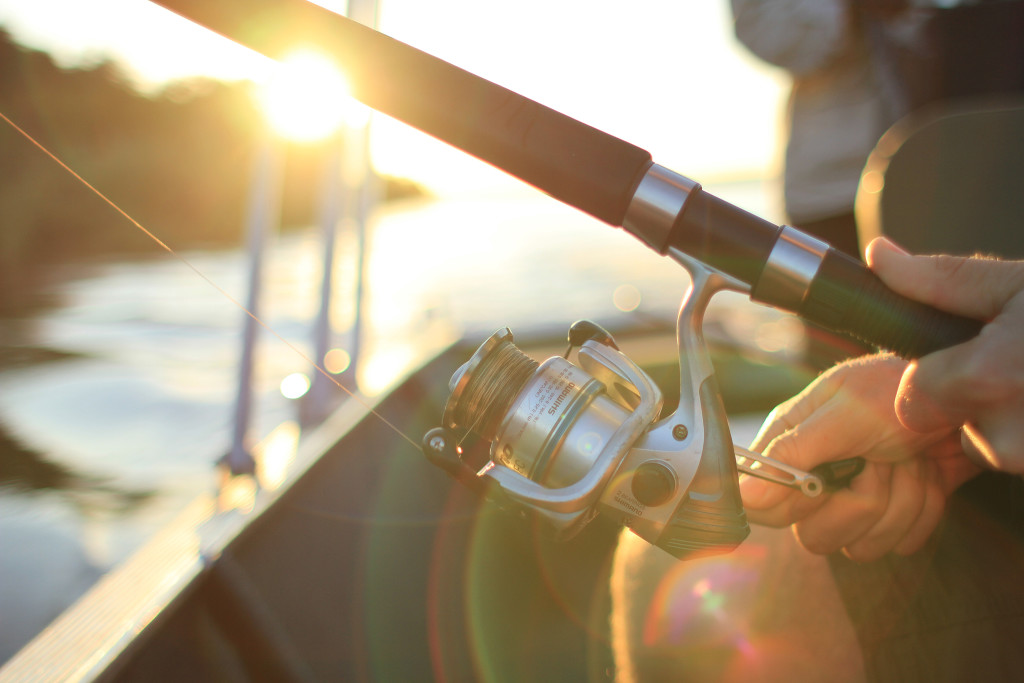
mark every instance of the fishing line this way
{"type": "Point", "coordinates": [209, 281]}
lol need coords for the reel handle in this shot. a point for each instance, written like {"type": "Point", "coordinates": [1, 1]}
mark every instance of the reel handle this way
{"type": "Point", "coordinates": [839, 473]}
{"type": "Point", "coordinates": [440, 445]}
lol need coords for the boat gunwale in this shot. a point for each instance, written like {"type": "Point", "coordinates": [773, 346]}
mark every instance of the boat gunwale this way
{"type": "Point", "coordinates": [91, 637]}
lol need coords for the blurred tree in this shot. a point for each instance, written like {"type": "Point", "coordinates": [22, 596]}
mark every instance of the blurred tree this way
{"type": "Point", "coordinates": [178, 162]}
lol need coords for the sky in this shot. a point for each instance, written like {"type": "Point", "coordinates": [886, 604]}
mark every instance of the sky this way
{"type": "Point", "coordinates": [666, 75]}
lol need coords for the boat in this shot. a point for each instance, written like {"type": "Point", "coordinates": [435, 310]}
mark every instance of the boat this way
{"type": "Point", "coordinates": [366, 562]}
{"type": "Point", "coordinates": [382, 525]}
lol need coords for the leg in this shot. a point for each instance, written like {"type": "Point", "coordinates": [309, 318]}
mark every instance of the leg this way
{"type": "Point", "coordinates": [769, 611]}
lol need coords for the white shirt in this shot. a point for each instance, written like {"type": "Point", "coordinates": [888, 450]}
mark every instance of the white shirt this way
{"type": "Point", "coordinates": [836, 112]}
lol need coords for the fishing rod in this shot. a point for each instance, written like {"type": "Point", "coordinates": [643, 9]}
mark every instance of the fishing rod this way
{"type": "Point", "coordinates": [567, 441]}
{"type": "Point", "coordinates": [595, 172]}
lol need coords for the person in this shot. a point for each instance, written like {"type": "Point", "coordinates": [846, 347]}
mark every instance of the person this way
{"type": "Point", "coordinates": [840, 103]}
{"type": "Point", "coordinates": [912, 573]}
{"type": "Point", "coordinates": [859, 66]}
{"type": "Point", "coordinates": [837, 109]}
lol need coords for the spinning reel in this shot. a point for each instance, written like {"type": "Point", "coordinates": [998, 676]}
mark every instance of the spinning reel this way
{"type": "Point", "coordinates": [570, 441]}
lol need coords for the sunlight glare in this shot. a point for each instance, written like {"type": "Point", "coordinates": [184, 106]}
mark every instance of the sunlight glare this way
{"type": "Point", "coordinates": [295, 385]}
{"type": "Point", "coordinates": [307, 98]}
{"type": "Point", "coordinates": [276, 452]}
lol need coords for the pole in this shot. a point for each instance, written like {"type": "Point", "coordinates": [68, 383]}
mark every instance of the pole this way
{"type": "Point", "coordinates": [263, 210]}
{"type": "Point", "coordinates": [349, 175]}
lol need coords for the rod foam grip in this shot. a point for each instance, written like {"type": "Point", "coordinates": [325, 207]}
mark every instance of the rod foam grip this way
{"type": "Point", "coordinates": [846, 296]}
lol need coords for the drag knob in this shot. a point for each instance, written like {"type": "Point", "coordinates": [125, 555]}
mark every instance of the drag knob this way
{"type": "Point", "coordinates": [653, 483]}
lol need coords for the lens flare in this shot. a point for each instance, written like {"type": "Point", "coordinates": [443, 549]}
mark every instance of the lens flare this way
{"type": "Point", "coordinates": [295, 385]}
{"type": "Point", "coordinates": [307, 98]}
{"type": "Point", "coordinates": [699, 610]}
{"type": "Point", "coordinates": [626, 298]}
{"type": "Point", "coordinates": [337, 361]}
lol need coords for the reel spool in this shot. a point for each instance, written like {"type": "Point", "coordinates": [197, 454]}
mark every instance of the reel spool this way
{"type": "Point", "coordinates": [547, 422]}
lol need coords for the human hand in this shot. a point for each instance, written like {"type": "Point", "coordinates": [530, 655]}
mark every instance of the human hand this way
{"type": "Point", "coordinates": [978, 384]}
{"type": "Point", "coordinates": [895, 503]}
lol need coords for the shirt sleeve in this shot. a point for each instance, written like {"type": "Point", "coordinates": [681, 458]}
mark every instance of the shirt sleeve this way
{"type": "Point", "coordinates": [801, 36]}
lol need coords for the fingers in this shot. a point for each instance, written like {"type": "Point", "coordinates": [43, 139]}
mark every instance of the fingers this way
{"type": "Point", "coordinates": [831, 433]}
{"type": "Point", "coordinates": [759, 494]}
{"type": "Point", "coordinates": [849, 514]}
{"type": "Point", "coordinates": [783, 509]}
{"type": "Point", "coordinates": [846, 412]}
{"type": "Point", "coordinates": [854, 510]}
{"type": "Point", "coordinates": [894, 504]}
{"type": "Point", "coordinates": [787, 415]}
{"type": "Point", "coordinates": [895, 509]}
{"type": "Point", "coordinates": [978, 384]}
{"type": "Point", "coordinates": [998, 437]}
{"type": "Point", "coordinates": [795, 447]}
{"type": "Point", "coordinates": [927, 519]}
{"type": "Point", "coordinates": [948, 387]}
{"type": "Point", "coordinates": [974, 287]}
{"type": "Point", "coordinates": [904, 502]}
{"type": "Point", "coordinates": [928, 402]}
{"type": "Point", "coordinates": [889, 507]}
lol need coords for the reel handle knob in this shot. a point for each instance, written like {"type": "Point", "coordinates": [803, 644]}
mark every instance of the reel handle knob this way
{"type": "Point", "coordinates": [582, 331]}
{"type": "Point", "coordinates": [440, 445]}
{"type": "Point", "coordinates": [838, 474]}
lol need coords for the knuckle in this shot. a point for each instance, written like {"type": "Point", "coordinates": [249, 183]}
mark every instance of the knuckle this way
{"type": "Point", "coordinates": [868, 506]}
{"type": "Point", "coordinates": [984, 369]}
{"type": "Point", "coordinates": [864, 552]}
{"type": "Point", "coordinates": [813, 542]}
{"type": "Point", "coordinates": [950, 265]}
{"type": "Point", "coordinates": [785, 448]}
{"type": "Point", "coordinates": [778, 415]}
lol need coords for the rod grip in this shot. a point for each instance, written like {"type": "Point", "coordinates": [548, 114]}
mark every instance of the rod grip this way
{"type": "Point", "coordinates": [846, 296]}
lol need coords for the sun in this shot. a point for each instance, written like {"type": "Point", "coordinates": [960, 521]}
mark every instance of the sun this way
{"type": "Point", "coordinates": [306, 98]}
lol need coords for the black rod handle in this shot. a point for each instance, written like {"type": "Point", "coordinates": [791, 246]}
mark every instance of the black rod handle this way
{"type": "Point", "coordinates": [798, 273]}
{"type": "Point", "coordinates": [847, 297]}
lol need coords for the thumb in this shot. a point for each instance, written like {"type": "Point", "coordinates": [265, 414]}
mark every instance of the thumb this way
{"type": "Point", "coordinates": [976, 287]}
{"type": "Point", "coordinates": [930, 401]}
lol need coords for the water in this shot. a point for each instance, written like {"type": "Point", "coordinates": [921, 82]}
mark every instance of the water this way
{"type": "Point", "coordinates": [123, 430]}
